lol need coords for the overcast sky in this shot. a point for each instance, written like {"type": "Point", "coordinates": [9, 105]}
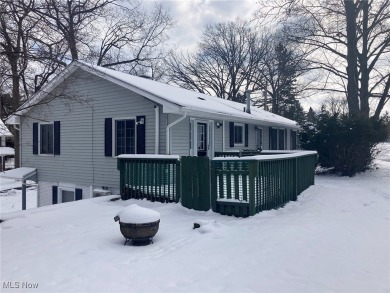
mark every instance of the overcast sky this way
{"type": "Point", "coordinates": [191, 16]}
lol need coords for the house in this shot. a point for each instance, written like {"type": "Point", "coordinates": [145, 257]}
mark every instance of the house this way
{"type": "Point", "coordinates": [4, 134]}
{"type": "Point", "coordinates": [5, 152]}
{"type": "Point", "coordinates": [88, 115]}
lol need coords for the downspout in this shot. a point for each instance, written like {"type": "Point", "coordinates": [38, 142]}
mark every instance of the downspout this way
{"type": "Point", "coordinates": [223, 135]}
{"type": "Point", "coordinates": [168, 151]}
{"type": "Point", "coordinates": [20, 144]}
{"type": "Point", "coordinates": [157, 131]}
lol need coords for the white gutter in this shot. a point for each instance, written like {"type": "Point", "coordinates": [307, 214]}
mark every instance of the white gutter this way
{"type": "Point", "coordinates": [168, 151]}
{"type": "Point", "coordinates": [157, 131]}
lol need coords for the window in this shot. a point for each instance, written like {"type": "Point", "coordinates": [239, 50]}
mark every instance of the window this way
{"type": "Point", "coordinates": [277, 138]}
{"type": "Point", "coordinates": [238, 134]}
{"type": "Point", "coordinates": [46, 138]}
{"type": "Point", "coordinates": [273, 138]}
{"type": "Point", "coordinates": [293, 139]}
{"type": "Point", "coordinates": [201, 139]}
{"type": "Point", "coordinates": [282, 139]}
{"type": "Point", "coordinates": [67, 195]}
{"type": "Point", "coordinates": [124, 136]}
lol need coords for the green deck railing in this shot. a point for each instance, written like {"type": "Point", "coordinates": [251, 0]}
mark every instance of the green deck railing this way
{"type": "Point", "coordinates": [154, 177]}
{"type": "Point", "coordinates": [245, 186]}
{"type": "Point", "coordinates": [239, 186]}
{"type": "Point", "coordinates": [239, 153]}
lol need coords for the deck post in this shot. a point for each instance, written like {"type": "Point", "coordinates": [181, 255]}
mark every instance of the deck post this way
{"type": "Point", "coordinates": [24, 194]}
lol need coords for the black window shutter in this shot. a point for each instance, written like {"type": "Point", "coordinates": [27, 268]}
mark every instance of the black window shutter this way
{"type": "Point", "coordinates": [141, 134]}
{"type": "Point", "coordinates": [231, 133]}
{"type": "Point", "coordinates": [35, 138]}
{"type": "Point", "coordinates": [55, 194]}
{"type": "Point", "coordinates": [273, 138]}
{"type": "Point", "coordinates": [78, 194]}
{"type": "Point", "coordinates": [57, 137]}
{"type": "Point", "coordinates": [246, 135]}
{"type": "Point", "coordinates": [108, 137]}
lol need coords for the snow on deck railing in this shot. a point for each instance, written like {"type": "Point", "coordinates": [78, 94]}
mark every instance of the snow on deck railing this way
{"type": "Point", "coordinates": [151, 156]}
{"type": "Point", "coordinates": [268, 156]}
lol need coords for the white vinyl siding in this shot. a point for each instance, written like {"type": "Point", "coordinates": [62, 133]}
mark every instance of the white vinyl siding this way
{"type": "Point", "coordinates": [82, 159]}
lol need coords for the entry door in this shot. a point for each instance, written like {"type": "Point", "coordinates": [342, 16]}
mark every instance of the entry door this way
{"type": "Point", "coordinates": [202, 139]}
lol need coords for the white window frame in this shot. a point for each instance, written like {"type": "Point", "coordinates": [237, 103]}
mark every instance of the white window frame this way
{"type": "Point", "coordinates": [60, 189]}
{"type": "Point", "coordinates": [114, 120]}
{"type": "Point", "coordinates": [39, 138]}
{"type": "Point", "coordinates": [242, 125]}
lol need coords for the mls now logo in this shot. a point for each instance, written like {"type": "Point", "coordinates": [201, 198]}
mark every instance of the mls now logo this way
{"type": "Point", "coordinates": [17, 285]}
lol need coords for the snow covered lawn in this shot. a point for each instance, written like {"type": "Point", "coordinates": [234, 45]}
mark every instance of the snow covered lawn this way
{"type": "Point", "coordinates": [335, 238]}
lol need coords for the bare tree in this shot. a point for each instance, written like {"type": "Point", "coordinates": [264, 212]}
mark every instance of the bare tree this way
{"type": "Point", "coordinates": [108, 32]}
{"type": "Point", "coordinates": [280, 67]}
{"type": "Point", "coordinates": [351, 43]}
{"type": "Point", "coordinates": [224, 64]}
{"type": "Point", "coordinates": [31, 55]}
{"type": "Point", "coordinates": [15, 27]}
{"type": "Point", "coordinates": [72, 19]}
{"type": "Point", "coordinates": [133, 37]}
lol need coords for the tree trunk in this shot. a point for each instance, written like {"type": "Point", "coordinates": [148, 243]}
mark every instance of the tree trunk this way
{"type": "Point", "coordinates": [72, 34]}
{"type": "Point", "coordinates": [383, 99]}
{"type": "Point", "coordinates": [16, 103]}
{"type": "Point", "coordinates": [352, 55]}
{"type": "Point", "coordinates": [365, 75]}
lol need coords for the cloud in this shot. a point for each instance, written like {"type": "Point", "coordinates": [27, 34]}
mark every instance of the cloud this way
{"type": "Point", "coordinates": [192, 17]}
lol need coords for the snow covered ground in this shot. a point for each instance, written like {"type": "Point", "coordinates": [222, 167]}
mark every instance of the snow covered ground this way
{"type": "Point", "coordinates": [335, 238]}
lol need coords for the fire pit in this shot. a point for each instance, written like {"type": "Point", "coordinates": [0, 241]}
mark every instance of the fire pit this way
{"type": "Point", "coordinates": [138, 224]}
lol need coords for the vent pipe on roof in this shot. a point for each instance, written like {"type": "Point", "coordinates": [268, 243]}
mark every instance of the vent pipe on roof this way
{"type": "Point", "coordinates": [146, 76]}
{"type": "Point", "coordinates": [248, 101]}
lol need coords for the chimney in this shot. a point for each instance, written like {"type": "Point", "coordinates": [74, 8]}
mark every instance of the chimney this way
{"type": "Point", "coordinates": [248, 101]}
{"type": "Point", "coordinates": [145, 76]}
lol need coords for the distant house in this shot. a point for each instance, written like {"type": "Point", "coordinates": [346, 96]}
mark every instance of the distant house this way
{"type": "Point", "coordinates": [4, 134]}
{"type": "Point", "coordinates": [5, 152]}
{"type": "Point", "coordinates": [73, 142]}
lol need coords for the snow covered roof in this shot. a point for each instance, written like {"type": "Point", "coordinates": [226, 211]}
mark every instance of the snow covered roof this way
{"type": "Point", "coordinates": [191, 101]}
{"type": "Point", "coordinates": [7, 151]}
{"type": "Point", "coordinates": [19, 173]}
{"type": "Point", "coordinates": [4, 130]}
{"type": "Point", "coordinates": [174, 99]}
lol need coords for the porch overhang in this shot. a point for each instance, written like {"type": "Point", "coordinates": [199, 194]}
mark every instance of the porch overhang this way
{"type": "Point", "coordinates": [23, 174]}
